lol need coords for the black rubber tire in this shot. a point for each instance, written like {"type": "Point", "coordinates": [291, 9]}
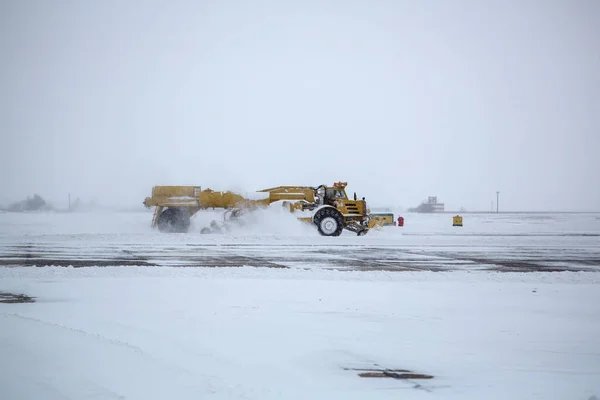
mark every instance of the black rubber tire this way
{"type": "Point", "coordinates": [174, 220]}
{"type": "Point", "coordinates": [329, 221]}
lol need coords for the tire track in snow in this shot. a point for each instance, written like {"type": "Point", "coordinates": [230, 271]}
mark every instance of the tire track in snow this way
{"type": "Point", "coordinates": [79, 331]}
{"type": "Point", "coordinates": [338, 256]}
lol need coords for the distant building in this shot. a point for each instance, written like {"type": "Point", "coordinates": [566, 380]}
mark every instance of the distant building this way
{"type": "Point", "coordinates": [431, 206]}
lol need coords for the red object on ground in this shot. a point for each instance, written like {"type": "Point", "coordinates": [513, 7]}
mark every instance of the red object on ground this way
{"type": "Point", "coordinates": [400, 221]}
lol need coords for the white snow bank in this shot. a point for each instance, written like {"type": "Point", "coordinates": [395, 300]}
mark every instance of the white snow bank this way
{"type": "Point", "coordinates": [146, 333]}
{"type": "Point", "coordinates": [470, 277]}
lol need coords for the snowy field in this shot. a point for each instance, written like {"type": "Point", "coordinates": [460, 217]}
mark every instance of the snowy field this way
{"type": "Point", "coordinates": [505, 307]}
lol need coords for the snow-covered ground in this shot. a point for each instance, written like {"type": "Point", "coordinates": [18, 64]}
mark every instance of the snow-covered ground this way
{"type": "Point", "coordinates": [296, 332]}
{"type": "Point", "coordinates": [277, 222]}
{"type": "Point", "coordinates": [275, 237]}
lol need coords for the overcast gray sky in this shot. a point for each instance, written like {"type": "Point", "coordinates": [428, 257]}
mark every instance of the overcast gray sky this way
{"type": "Point", "coordinates": [402, 99]}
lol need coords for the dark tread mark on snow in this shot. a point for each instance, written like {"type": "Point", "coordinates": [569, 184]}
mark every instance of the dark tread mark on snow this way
{"type": "Point", "coordinates": [388, 373]}
{"type": "Point", "coordinates": [395, 375]}
{"type": "Point", "coordinates": [398, 374]}
{"type": "Point", "coordinates": [15, 298]}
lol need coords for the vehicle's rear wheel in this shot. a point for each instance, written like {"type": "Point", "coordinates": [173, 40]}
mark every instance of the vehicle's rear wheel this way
{"type": "Point", "coordinates": [329, 221]}
{"type": "Point", "coordinates": [174, 220]}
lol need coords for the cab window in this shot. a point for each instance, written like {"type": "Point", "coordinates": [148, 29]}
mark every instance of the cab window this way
{"type": "Point", "coordinates": [335, 194]}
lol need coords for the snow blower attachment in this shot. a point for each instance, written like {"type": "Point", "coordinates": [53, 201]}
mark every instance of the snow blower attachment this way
{"type": "Point", "coordinates": [327, 207]}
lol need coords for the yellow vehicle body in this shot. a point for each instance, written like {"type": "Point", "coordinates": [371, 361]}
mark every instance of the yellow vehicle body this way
{"type": "Point", "coordinates": [328, 207]}
{"type": "Point", "coordinates": [457, 220]}
{"type": "Point", "coordinates": [383, 219]}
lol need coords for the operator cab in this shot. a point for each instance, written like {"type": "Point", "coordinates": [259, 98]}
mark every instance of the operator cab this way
{"type": "Point", "coordinates": [334, 194]}
{"type": "Point", "coordinates": [330, 194]}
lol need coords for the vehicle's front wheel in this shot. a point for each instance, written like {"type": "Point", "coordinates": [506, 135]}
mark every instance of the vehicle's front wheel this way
{"type": "Point", "coordinates": [174, 220]}
{"type": "Point", "coordinates": [329, 221]}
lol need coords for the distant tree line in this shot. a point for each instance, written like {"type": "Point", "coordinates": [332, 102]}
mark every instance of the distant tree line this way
{"type": "Point", "coordinates": [35, 203]}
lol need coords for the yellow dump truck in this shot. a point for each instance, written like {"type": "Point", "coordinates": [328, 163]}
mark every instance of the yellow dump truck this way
{"type": "Point", "coordinates": [327, 207]}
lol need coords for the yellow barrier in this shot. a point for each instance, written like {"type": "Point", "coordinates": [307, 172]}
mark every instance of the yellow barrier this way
{"type": "Point", "coordinates": [457, 221]}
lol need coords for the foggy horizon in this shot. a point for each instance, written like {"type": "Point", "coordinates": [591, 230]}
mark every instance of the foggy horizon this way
{"type": "Point", "coordinates": [402, 100]}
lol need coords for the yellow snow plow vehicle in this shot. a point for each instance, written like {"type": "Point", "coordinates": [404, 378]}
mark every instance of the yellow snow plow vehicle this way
{"type": "Point", "coordinates": [327, 207]}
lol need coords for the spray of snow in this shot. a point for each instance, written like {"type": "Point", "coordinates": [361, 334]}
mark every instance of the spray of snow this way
{"type": "Point", "coordinates": [277, 220]}
{"type": "Point", "coordinates": [273, 220]}
{"type": "Point", "coordinates": [256, 195]}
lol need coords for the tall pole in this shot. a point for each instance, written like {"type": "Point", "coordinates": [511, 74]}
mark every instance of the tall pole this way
{"type": "Point", "coordinates": [497, 200]}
